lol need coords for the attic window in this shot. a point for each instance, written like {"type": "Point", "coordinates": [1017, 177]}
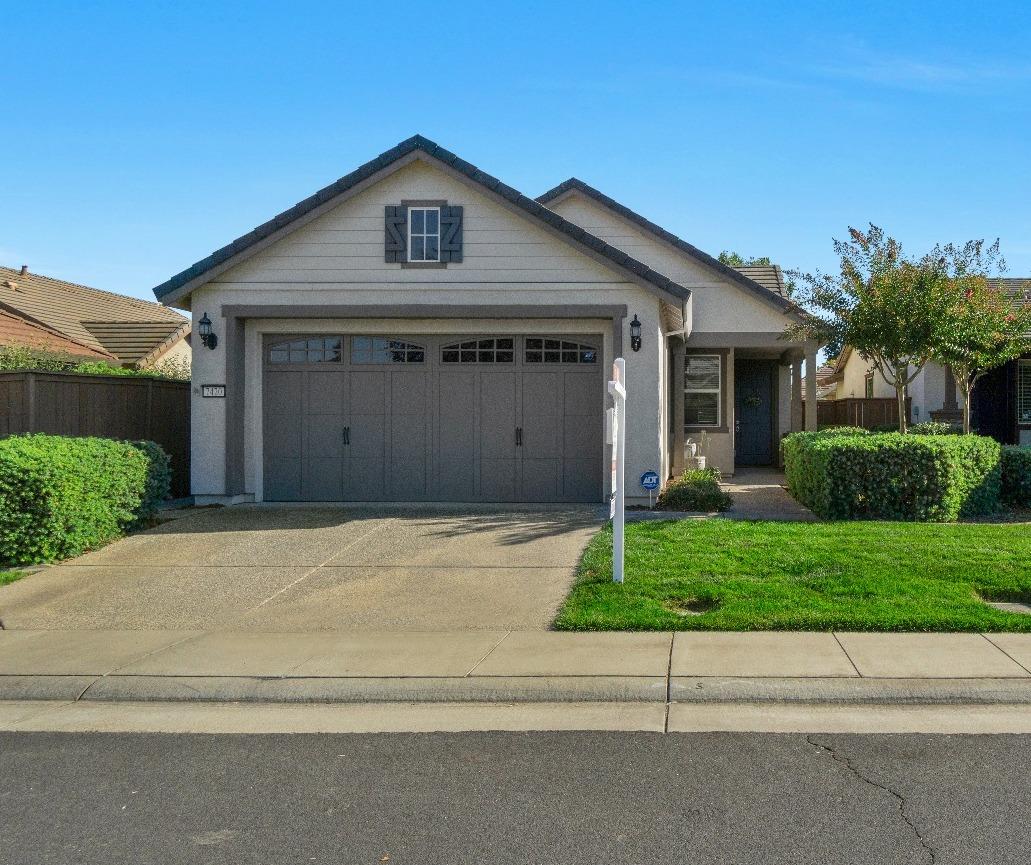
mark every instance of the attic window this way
{"type": "Point", "coordinates": [424, 234]}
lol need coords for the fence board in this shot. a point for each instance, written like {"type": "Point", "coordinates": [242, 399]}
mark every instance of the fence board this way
{"type": "Point", "coordinates": [857, 411]}
{"type": "Point", "coordinates": [101, 405]}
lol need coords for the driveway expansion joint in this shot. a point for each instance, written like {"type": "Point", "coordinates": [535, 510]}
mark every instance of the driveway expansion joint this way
{"type": "Point", "coordinates": [900, 800]}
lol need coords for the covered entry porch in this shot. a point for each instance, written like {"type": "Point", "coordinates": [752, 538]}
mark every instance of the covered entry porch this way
{"type": "Point", "coordinates": [735, 396]}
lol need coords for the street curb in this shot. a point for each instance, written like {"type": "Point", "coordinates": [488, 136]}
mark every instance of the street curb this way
{"type": "Point", "coordinates": [851, 690]}
{"type": "Point", "coordinates": [43, 687]}
{"type": "Point", "coordinates": [517, 689]}
{"type": "Point", "coordinates": [480, 689]}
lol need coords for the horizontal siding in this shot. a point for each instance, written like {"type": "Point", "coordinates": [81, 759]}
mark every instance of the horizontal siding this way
{"type": "Point", "coordinates": [345, 245]}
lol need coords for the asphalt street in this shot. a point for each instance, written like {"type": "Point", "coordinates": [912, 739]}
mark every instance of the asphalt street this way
{"type": "Point", "coordinates": [419, 799]}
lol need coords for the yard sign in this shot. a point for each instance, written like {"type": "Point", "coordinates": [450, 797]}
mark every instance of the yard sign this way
{"type": "Point", "coordinates": [617, 389]}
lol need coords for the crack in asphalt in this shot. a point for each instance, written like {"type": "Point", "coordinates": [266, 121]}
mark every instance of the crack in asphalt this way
{"type": "Point", "coordinates": [932, 856]}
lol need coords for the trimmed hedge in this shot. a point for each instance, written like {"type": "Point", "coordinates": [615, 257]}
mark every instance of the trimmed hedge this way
{"type": "Point", "coordinates": [1016, 476]}
{"type": "Point", "coordinates": [695, 490]}
{"type": "Point", "coordinates": [60, 496]}
{"type": "Point", "coordinates": [891, 476]}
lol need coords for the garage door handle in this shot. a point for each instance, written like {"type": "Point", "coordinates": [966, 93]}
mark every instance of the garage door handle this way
{"type": "Point", "coordinates": [519, 436]}
{"type": "Point", "coordinates": [347, 435]}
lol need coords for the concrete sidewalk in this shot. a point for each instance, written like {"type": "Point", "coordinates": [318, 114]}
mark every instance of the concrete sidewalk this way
{"type": "Point", "coordinates": [514, 666]}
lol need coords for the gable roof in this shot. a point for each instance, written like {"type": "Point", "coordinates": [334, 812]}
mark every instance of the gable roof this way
{"type": "Point", "coordinates": [418, 143]}
{"type": "Point", "coordinates": [770, 288]}
{"type": "Point", "coordinates": [132, 341]}
{"type": "Point", "coordinates": [74, 310]}
{"type": "Point", "coordinates": [17, 329]}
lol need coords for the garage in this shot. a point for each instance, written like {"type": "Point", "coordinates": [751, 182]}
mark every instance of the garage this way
{"type": "Point", "coordinates": [472, 418]}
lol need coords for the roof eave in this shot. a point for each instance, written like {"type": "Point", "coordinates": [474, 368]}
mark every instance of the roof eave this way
{"type": "Point", "coordinates": [575, 185]}
{"type": "Point", "coordinates": [180, 285]}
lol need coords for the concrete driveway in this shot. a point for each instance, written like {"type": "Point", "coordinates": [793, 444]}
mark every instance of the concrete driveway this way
{"type": "Point", "coordinates": [279, 568]}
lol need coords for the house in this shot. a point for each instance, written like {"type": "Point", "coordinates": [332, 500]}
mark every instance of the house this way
{"type": "Point", "coordinates": [1001, 405]}
{"type": "Point", "coordinates": [418, 330]}
{"type": "Point", "coordinates": [17, 329]}
{"type": "Point", "coordinates": [826, 386]}
{"type": "Point", "coordinates": [123, 331]}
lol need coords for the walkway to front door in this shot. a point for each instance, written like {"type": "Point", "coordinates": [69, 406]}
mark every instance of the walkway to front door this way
{"type": "Point", "coordinates": [308, 568]}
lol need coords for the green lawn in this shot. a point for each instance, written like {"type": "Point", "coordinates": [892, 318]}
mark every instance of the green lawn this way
{"type": "Point", "coordinates": [863, 576]}
{"type": "Point", "coordinates": [10, 576]}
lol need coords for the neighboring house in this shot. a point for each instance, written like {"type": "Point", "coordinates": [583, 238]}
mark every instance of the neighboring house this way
{"type": "Point", "coordinates": [826, 386]}
{"type": "Point", "coordinates": [1001, 404]}
{"type": "Point", "coordinates": [929, 392]}
{"type": "Point", "coordinates": [418, 330]}
{"type": "Point", "coordinates": [124, 331]}
{"type": "Point", "coordinates": [17, 329]}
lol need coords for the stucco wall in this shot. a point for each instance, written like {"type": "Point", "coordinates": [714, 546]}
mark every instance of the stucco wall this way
{"type": "Point", "coordinates": [926, 391]}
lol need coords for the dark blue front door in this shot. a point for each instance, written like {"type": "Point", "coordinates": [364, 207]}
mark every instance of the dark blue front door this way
{"type": "Point", "coordinates": [753, 412]}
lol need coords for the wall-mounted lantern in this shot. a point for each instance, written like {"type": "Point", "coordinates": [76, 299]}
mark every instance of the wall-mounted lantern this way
{"type": "Point", "coordinates": [635, 334]}
{"type": "Point", "coordinates": [206, 336]}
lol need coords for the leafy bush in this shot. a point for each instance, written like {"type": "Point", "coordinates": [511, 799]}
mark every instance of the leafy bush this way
{"type": "Point", "coordinates": [695, 490]}
{"type": "Point", "coordinates": [832, 431]}
{"type": "Point", "coordinates": [894, 476]}
{"type": "Point", "coordinates": [933, 428]}
{"type": "Point", "coordinates": [16, 358]}
{"type": "Point", "coordinates": [60, 496]}
{"type": "Point", "coordinates": [1016, 476]}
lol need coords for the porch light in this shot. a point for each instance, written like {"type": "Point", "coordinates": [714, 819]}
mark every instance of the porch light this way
{"type": "Point", "coordinates": [635, 334]}
{"type": "Point", "coordinates": [206, 336]}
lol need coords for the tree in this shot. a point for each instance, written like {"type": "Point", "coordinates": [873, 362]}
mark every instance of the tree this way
{"type": "Point", "coordinates": [986, 329]}
{"type": "Point", "coordinates": [889, 308]}
{"type": "Point", "coordinates": [734, 259]}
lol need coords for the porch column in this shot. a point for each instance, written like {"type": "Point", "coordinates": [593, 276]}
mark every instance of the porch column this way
{"type": "Point", "coordinates": [678, 347]}
{"type": "Point", "coordinates": [810, 391]}
{"type": "Point", "coordinates": [797, 419]}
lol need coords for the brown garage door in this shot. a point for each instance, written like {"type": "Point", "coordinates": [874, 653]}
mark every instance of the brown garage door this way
{"type": "Point", "coordinates": [478, 418]}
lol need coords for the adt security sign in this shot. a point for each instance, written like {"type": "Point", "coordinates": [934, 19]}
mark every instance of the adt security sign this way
{"type": "Point", "coordinates": [650, 480]}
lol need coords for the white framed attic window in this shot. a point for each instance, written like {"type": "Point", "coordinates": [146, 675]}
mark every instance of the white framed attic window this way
{"type": "Point", "coordinates": [702, 390]}
{"type": "Point", "coordinates": [424, 234]}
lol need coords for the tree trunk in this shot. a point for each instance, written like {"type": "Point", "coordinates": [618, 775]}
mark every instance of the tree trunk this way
{"type": "Point", "coordinates": [900, 395]}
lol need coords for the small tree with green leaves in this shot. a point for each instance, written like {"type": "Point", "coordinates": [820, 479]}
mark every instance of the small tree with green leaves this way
{"type": "Point", "coordinates": [888, 307]}
{"type": "Point", "coordinates": [986, 330]}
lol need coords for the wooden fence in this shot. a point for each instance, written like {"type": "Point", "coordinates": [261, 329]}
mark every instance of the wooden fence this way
{"type": "Point", "coordinates": [855, 411]}
{"type": "Point", "coordinates": [106, 406]}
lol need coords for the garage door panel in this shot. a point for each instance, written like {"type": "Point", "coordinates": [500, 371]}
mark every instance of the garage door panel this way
{"type": "Point", "coordinates": [497, 415]}
{"type": "Point", "coordinates": [324, 392]}
{"type": "Point", "coordinates": [541, 480]}
{"type": "Point", "coordinates": [582, 480]}
{"type": "Point", "coordinates": [366, 463]}
{"type": "Point", "coordinates": [368, 392]}
{"type": "Point", "coordinates": [283, 392]}
{"type": "Point", "coordinates": [425, 429]}
{"type": "Point", "coordinates": [456, 452]}
{"type": "Point", "coordinates": [283, 479]}
{"type": "Point", "coordinates": [497, 480]}
{"type": "Point", "coordinates": [322, 480]}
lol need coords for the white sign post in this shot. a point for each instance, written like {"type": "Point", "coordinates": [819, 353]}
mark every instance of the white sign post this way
{"type": "Point", "coordinates": [617, 389]}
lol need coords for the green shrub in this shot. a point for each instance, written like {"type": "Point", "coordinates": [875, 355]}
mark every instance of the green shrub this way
{"type": "Point", "coordinates": [695, 490]}
{"type": "Point", "coordinates": [894, 476]}
{"type": "Point", "coordinates": [833, 431]}
{"type": "Point", "coordinates": [933, 428]}
{"type": "Point", "coordinates": [1016, 476]}
{"type": "Point", "coordinates": [60, 496]}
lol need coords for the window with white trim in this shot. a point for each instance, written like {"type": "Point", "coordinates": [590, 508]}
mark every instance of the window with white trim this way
{"type": "Point", "coordinates": [1024, 391]}
{"type": "Point", "coordinates": [424, 234]}
{"type": "Point", "coordinates": [702, 390]}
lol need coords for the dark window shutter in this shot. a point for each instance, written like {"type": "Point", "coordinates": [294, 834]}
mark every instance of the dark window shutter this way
{"type": "Point", "coordinates": [395, 227]}
{"type": "Point", "coordinates": [451, 234]}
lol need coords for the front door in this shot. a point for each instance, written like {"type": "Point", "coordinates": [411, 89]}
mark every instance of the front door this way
{"type": "Point", "coordinates": [753, 412]}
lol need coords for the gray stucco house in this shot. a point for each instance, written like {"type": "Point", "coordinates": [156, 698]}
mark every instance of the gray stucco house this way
{"type": "Point", "coordinates": [418, 330]}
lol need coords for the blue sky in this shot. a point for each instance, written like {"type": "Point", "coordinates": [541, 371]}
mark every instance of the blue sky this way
{"type": "Point", "coordinates": [139, 137]}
